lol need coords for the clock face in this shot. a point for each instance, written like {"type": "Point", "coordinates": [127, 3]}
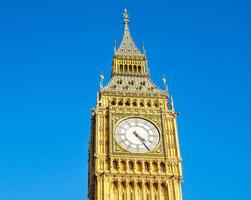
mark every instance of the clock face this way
{"type": "Point", "coordinates": [137, 135]}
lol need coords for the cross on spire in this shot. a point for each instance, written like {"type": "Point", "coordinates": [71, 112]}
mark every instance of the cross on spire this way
{"type": "Point", "coordinates": [126, 16]}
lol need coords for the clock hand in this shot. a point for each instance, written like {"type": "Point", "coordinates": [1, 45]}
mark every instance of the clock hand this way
{"type": "Point", "coordinates": [141, 139]}
{"type": "Point", "coordinates": [137, 135]}
{"type": "Point", "coordinates": [146, 146]}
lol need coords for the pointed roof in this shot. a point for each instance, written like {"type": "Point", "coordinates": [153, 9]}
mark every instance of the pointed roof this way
{"type": "Point", "coordinates": [128, 46]}
{"type": "Point", "coordinates": [132, 84]}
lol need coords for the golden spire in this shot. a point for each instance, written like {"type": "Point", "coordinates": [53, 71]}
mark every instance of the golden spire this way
{"type": "Point", "coordinates": [128, 46]}
{"type": "Point", "coordinates": [128, 59]}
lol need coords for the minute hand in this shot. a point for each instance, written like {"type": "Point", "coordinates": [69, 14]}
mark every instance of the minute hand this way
{"type": "Point", "coordinates": [145, 145]}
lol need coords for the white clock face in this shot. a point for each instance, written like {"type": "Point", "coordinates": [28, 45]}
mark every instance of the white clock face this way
{"type": "Point", "coordinates": [137, 135]}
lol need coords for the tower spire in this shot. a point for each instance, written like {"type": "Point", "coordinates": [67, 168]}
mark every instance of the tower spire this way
{"type": "Point", "coordinates": [128, 59]}
{"type": "Point", "coordinates": [128, 46]}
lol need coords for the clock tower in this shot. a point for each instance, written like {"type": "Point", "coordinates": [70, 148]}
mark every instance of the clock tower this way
{"type": "Point", "coordinates": [134, 150]}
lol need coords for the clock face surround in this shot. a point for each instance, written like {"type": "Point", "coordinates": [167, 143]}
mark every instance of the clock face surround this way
{"type": "Point", "coordinates": [137, 135]}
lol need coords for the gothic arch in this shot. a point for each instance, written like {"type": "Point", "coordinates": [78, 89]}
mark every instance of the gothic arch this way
{"type": "Point", "coordinates": [139, 69]}
{"type": "Point", "coordinates": [154, 167]}
{"type": "Point", "coordinates": [135, 69]}
{"type": "Point", "coordinates": [127, 102]}
{"type": "Point", "coordinates": [149, 103]}
{"type": "Point", "coordinates": [141, 103]}
{"type": "Point", "coordinates": [139, 166]}
{"type": "Point", "coordinates": [162, 167]}
{"type": "Point", "coordinates": [113, 102]}
{"type": "Point", "coordinates": [134, 102]}
{"type": "Point", "coordinates": [120, 102]}
{"type": "Point", "coordinates": [123, 166]}
{"type": "Point", "coordinates": [131, 165]}
{"type": "Point", "coordinates": [121, 68]}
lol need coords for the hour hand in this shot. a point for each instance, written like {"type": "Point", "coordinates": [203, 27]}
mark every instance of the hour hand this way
{"type": "Point", "coordinates": [141, 139]}
{"type": "Point", "coordinates": [137, 135]}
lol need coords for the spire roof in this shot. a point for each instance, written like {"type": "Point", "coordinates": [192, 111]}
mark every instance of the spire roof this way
{"type": "Point", "coordinates": [128, 46]}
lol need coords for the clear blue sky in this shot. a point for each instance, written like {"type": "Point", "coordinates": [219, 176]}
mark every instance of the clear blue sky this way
{"type": "Point", "coordinates": [51, 54]}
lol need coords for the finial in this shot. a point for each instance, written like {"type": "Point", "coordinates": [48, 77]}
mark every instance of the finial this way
{"type": "Point", "coordinates": [97, 102]}
{"type": "Point", "coordinates": [143, 48]}
{"type": "Point", "coordinates": [165, 82]}
{"type": "Point", "coordinates": [126, 16]}
{"type": "Point", "coordinates": [147, 69]}
{"type": "Point", "coordinates": [115, 46]}
{"type": "Point", "coordinates": [101, 80]}
{"type": "Point", "coordinates": [171, 104]}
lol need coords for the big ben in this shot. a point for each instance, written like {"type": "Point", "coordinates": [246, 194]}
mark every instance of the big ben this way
{"type": "Point", "coordinates": [134, 149]}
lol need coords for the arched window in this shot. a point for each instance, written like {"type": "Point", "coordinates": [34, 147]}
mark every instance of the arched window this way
{"type": "Point", "coordinates": [131, 165]}
{"type": "Point", "coordinates": [135, 69]}
{"type": "Point", "coordinates": [126, 68]}
{"type": "Point", "coordinates": [119, 82]}
{"type": "Point", "coordinates": [131, 82]}
{"type": "Point", "coordinates": [156, 104]}
{"type": "Point", "coordinates": [143, 83]}
{"type": "Point", "coordinates": [113, 102]}
{"type": "Point", "coordinates": [115, 164]}
{"type": "Point", "coordinates": [139, 69]}
{"type": "Point", "coordinates": [127, 103]}
{"type": "Point", "coordinates": [155, 167]}
{"type": "Point", "coordinates": [147, 167]}
{"type": "Point", "coordinates": [123, 165]}
{"type": "Point", "coordinates": [130, 68]}
{"type": "Point", "coordinates": [139, 166]}
{"type": "Point", "coordinates": [134, 103]}
{"type": "Point", "coordinates": [141, 103]}
{"type": "Point", "coordinates": [121, 68]}
{"type": "Point", "coordinates": [120, 102]}
{"type": "Point", "coordinates": [162, 167]}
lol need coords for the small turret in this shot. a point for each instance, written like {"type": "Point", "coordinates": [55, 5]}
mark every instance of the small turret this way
{"type": "Point", "coordinates": [165, 84]}
{"type": "Point", "coordinates": [102, 77]}
{"type": "Point", "coordinates": [171, 104]}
